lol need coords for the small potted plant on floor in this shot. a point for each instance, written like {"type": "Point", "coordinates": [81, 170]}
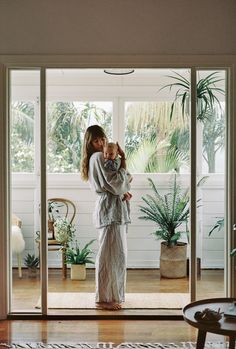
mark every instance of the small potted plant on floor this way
{"type": "Point", "coordinates": [78, 257]}
{"type": "Point", "coordinates": [171, 213]}
{"type": "Point", "coordinates": [32, 263]}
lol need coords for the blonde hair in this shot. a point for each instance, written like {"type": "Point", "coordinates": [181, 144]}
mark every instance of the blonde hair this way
{"type": "Point", "coordinates": [92, 132]}
{"type": "Point", "coordinates": [111, 145]}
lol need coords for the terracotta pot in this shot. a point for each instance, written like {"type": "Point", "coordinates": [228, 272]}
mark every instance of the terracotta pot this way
{"type": "Point", "coordinates": [173, 260]}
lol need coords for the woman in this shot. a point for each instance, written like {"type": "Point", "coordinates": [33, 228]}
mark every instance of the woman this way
{"type": "Point", "coordinates": [111, 217]}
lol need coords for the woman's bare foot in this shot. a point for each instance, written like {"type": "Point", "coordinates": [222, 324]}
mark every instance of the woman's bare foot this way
{"type": "Point", "coordinates": [108, 306]}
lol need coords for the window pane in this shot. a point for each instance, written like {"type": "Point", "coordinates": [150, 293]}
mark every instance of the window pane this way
{"type": "Point", "coordinates": [24, 191]}
{"type": "Point", "coordinates": [67, 123]}
{"type": "Point", "coordinates": [22, 134]}
{"type": "Point", "coordinates": [154, 141]}
{"type": "Point", "coordinates": [211, 214]}
{"type": "Point", "coordinates": [211, 114]}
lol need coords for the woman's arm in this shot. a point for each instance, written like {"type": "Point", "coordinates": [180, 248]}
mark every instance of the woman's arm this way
{"type": "Point", "coordinates": [102, 179]}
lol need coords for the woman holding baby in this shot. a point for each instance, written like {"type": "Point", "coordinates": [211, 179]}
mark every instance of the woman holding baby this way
{"type": "Point", "coordinates": [111, 217]}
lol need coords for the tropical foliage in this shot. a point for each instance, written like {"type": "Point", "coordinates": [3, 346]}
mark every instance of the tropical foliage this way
{"type": "Point", "coordinates": [22, 136]}
{"type": "Point", "coordinates": [209, 110]}
{"type": "Point", "coordinates": [152, 142]}
{"type": "Point", "coordinates": [31, 261]}
{"type": "Point", "coordinates": [170, 212]}
{"type": "Point", "coordinates": [156, 133]}
{"type": "Point", "coordinates": [66, 125]}
{"type": "Point", "coordinates": [77, 255]}
{"type": "Point", "coordinates": [218, 225]}
{"type": "Point", "coordinates": [67, 122]}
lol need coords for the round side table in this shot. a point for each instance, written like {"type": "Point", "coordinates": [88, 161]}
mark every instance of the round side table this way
{"type": "Point", "coordinates": [225, 327]}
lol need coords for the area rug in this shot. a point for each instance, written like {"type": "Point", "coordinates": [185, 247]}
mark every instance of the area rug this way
{"type": "Point", "coordinates": [79, 300]}
{"type": "Point", "coordinates": [110, 345]}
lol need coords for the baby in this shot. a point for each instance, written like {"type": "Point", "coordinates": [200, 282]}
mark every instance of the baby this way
{"type": "Point", "coordinates": [112, 162]}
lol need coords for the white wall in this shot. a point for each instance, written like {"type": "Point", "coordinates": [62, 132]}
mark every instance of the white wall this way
{"type": "Point", "coordinates": [143, 249]}
{"type": "Point", "coordinates": [117, 27]}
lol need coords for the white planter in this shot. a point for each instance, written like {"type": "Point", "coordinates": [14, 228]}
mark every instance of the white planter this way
{"type": "Point", "coordinates": [78, 272]}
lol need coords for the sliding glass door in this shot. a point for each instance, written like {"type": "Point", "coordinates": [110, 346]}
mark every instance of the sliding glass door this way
{"type": "Point", "coordinates": [172, 139]}
{"type": "Point", "coordinates": [212, 235]}
{"type": "Point", "coordinates": [24, 149]}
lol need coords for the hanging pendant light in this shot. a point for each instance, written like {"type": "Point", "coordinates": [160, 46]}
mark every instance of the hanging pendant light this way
{"type": "Point", "coordinates": [115, 71]}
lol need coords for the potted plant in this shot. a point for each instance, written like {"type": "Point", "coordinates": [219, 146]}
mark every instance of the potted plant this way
{"type": "Point", "coordinates": [53, 214]}
{"type": "Point", "coordinates": [78, 257]}
{"type": "Point", "coordinates": [32, 263]}
{"type": "Point", "coordinates": [63, 230]}
{"type": "Point", "coordinates": [171, 213]}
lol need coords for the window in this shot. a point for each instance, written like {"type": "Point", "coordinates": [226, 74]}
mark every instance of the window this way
{"type": "Point", "coordinates": [67, 123]}
{"type": "Point", "coordinates": [22, 136]}
{"type": "Point", "coordinates": [153, 142]}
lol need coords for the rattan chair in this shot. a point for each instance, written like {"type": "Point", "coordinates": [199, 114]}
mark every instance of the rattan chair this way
{"type": "Point", "coordinates": [63, 208]}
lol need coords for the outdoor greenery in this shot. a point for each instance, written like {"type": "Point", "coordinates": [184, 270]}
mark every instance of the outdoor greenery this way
{"type": "Point", "coordinates": [154, 143]}
{"type": "Point", "coordinates": [209, 110]}
{"type": "Point", "coordinates": [77, 255]}
{"type": "Point", "coordinates": [66, 125]}
{"type": "Point", "coordinates": [22, 136]}
{"type": "Point", "coordinates": [156, 133]}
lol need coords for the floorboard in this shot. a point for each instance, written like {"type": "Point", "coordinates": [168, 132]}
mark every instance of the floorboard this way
{"type": "Point", "coordinates": [26, 291]}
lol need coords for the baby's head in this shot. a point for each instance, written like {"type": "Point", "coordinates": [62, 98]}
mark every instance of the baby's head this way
{"type": "Point", "coordinates": [110, 151]}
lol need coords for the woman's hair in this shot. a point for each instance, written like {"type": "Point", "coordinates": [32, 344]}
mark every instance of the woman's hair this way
{"type": "Point", "coordinates": [91, 133]}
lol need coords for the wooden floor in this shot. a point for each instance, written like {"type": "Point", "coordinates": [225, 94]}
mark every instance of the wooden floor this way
{"type": "Point", "coordinates": [26, 291]}
{"type": "Point", "coordinates": [115, 331]}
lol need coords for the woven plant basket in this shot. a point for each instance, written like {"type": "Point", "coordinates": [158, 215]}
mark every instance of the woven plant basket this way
{"type": "Point", "coordinates": [173, 260]}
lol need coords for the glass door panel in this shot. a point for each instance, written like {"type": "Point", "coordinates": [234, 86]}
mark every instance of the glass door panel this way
{"type": "Point", "coordinates": [157, 145]}
{"type": "Point", "coordinates": [211, 192]}
{"type": "Point", "coordinates": [24, 190]}
{"type": "Point", "coordinates": [72, 106]}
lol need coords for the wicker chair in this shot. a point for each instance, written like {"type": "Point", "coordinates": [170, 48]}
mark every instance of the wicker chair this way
{"type": "Point", "coordinates": [65, 208]}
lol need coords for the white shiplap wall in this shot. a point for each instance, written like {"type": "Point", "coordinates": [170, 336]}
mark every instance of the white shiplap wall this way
{"type": "Point", "coordinates": [143, 249]}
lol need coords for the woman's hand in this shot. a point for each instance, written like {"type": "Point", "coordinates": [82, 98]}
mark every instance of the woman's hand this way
{"type": "Point", "coordinates": [127, 196]}
{"type": "Point", "coordinates": [120, 151]}
{"type": "Point", "coordinates": [122, 156]}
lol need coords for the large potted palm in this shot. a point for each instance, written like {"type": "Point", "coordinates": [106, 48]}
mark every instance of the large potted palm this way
{"type": "Point", "coordinates": [170, 212]}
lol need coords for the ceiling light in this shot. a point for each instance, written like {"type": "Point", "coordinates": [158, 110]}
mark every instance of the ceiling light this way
{"type": "Point", "coordinates": [115, 71]}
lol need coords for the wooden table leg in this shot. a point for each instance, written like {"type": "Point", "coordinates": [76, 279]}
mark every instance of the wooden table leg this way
{"type": "Point", "coordinates": [231, 342]}
{"type": "Point", "coordinates": [201, 338]}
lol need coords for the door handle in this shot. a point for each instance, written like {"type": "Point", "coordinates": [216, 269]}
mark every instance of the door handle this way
{"type": "Point", "coordinates": [234, 226]}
